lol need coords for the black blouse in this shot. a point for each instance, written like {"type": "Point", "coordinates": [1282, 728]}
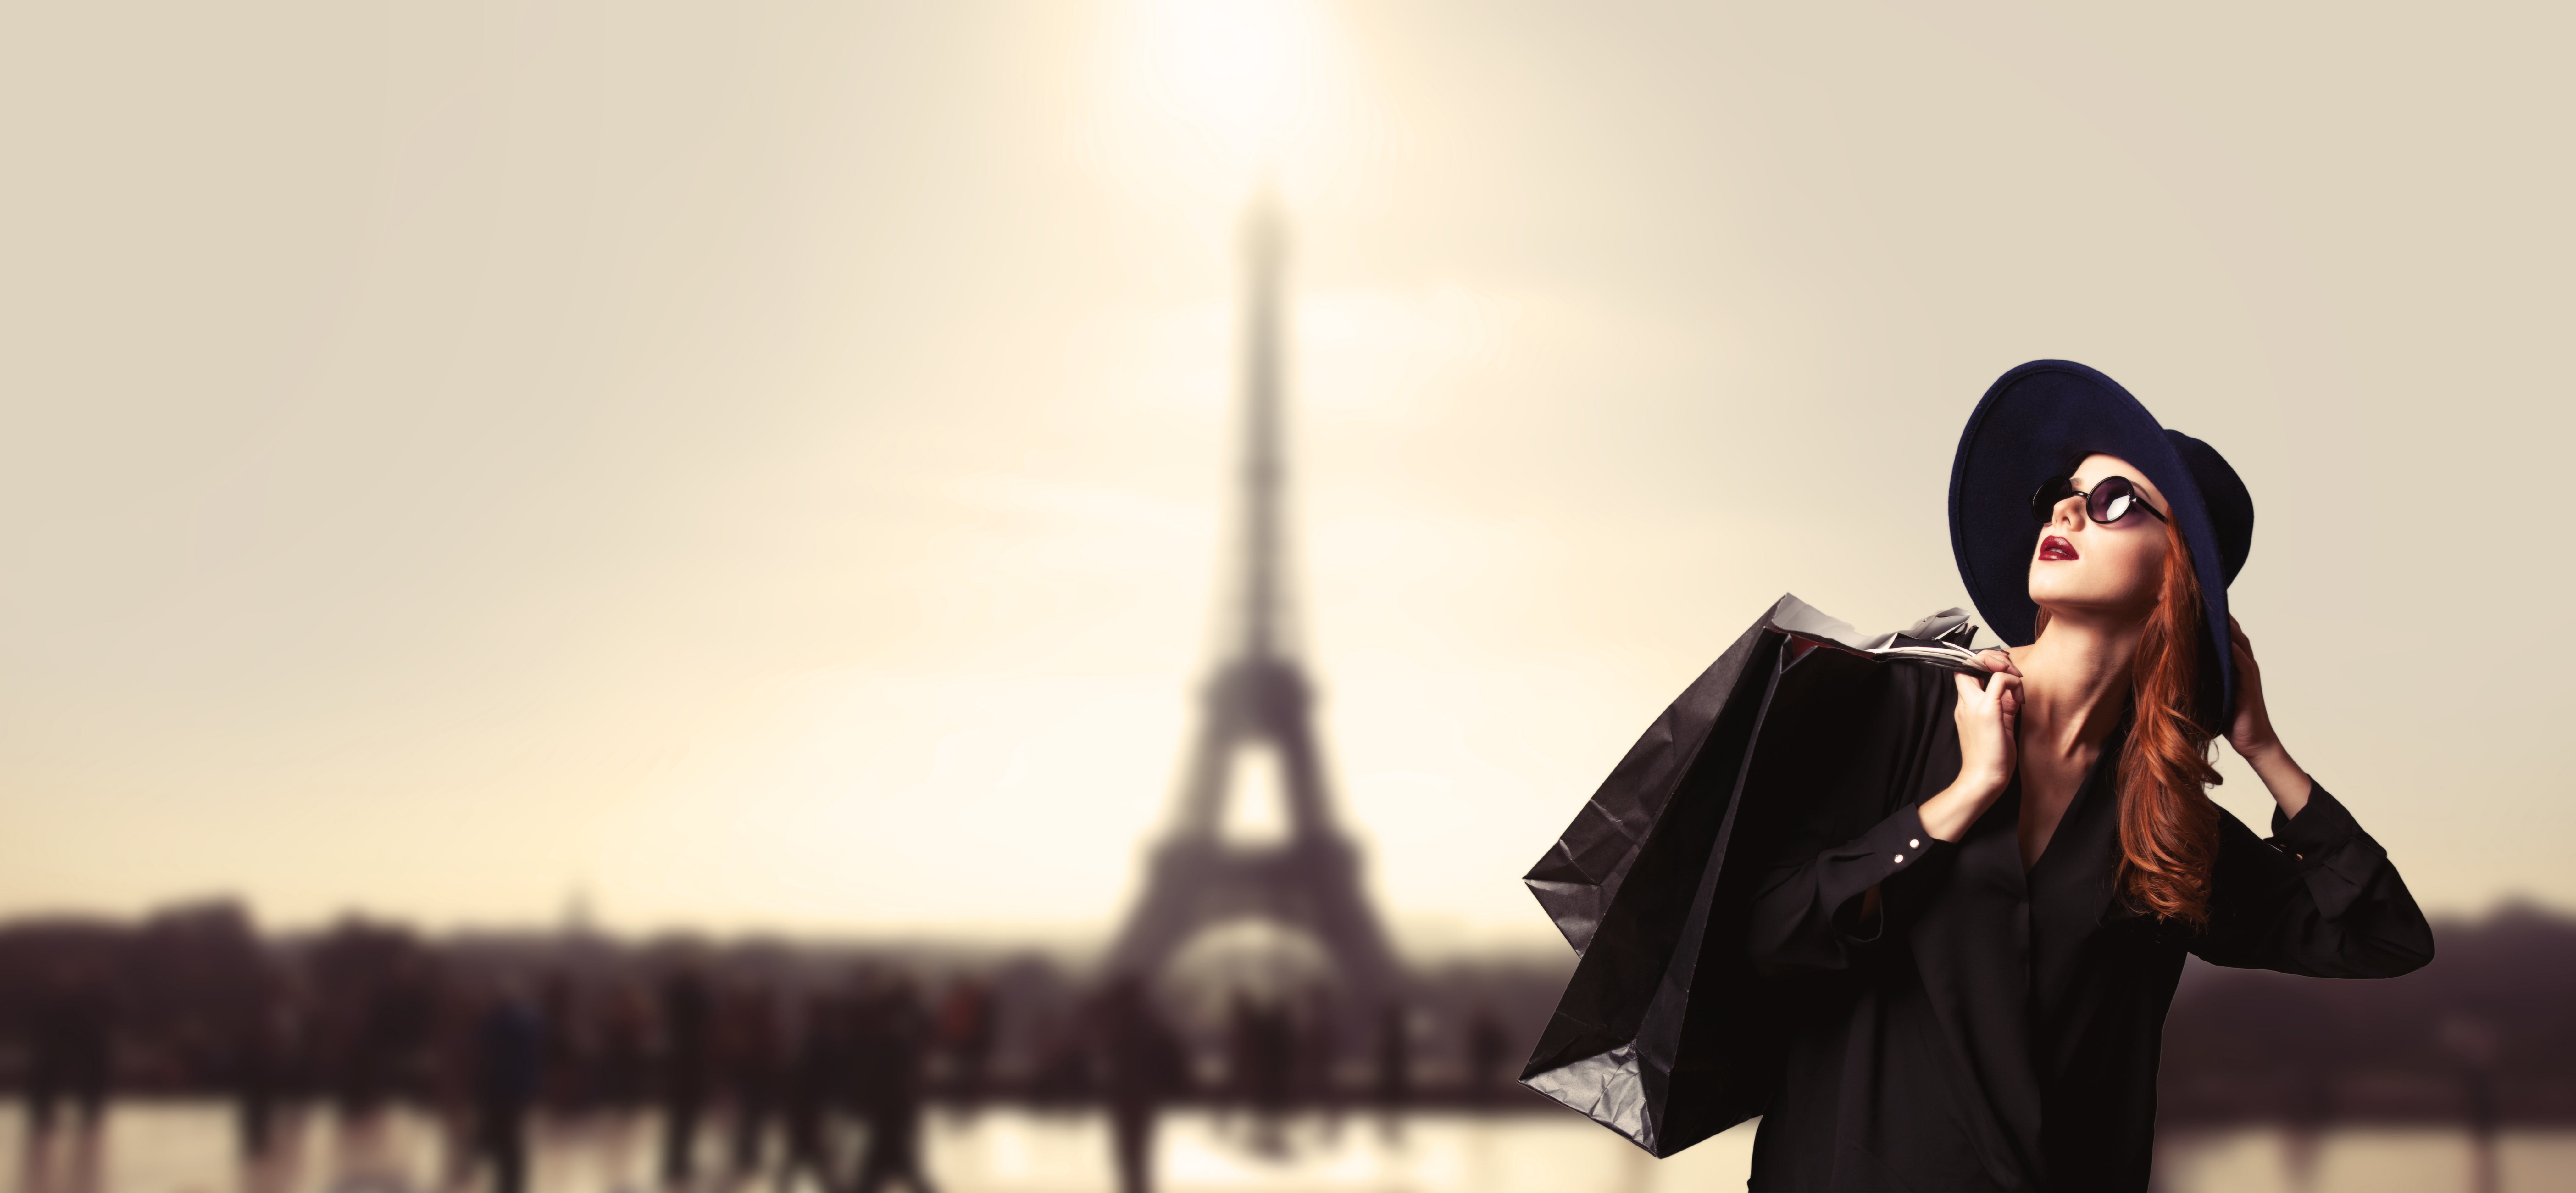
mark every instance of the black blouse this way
{"type": "Point", "coordinates": [1994, 1028]}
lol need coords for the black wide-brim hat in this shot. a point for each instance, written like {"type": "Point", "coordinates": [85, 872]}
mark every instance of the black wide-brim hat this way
{"type": "Point", "coordinates": [2036, 423]}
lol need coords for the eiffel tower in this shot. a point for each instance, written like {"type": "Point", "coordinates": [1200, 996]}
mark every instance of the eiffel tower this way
{"type": "Point", "coordinates": [1259, 697]}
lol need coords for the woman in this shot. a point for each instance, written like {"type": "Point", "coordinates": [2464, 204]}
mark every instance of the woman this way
{"type": "Point", "coordinates": [1991, 964]}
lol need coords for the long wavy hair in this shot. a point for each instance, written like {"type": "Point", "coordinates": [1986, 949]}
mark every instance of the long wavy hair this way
{"type": "Point", "coordinates": [2168, 826]}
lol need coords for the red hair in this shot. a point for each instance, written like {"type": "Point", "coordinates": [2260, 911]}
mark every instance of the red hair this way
{"type": "Point", "coordinates": [2168, 826]}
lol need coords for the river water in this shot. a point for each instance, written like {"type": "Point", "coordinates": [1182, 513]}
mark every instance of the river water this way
{"type": "Point", "coordinates": [184, 1147]}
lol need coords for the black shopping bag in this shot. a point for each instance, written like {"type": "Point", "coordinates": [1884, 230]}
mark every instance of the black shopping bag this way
{"type": "Point", "coordinates": [1661, 1035]}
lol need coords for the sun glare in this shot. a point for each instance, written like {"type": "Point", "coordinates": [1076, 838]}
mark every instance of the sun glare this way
{"type": "Point", "coordinates": [1242, 70]}
{"type": "Point", "coordinates": [1209, 94]}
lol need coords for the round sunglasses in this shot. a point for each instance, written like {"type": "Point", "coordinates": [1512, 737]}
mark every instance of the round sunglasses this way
{"type": "Point", "coordinates": [2110, 501]}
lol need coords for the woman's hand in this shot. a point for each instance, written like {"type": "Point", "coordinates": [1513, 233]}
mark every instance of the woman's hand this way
{"type": "Point", "coordinates": [2249, 727]}
{"type": "Point", "coordinates": [2249, 730]}
{"type": "Point", "coordinates": [1989, 717]}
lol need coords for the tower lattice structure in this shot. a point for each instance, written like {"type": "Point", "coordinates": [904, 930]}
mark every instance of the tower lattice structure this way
{"type": "Point", "coordinates": [1259, 696]}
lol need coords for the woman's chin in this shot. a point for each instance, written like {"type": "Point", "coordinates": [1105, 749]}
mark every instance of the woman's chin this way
{"type": "Point", "coordinates": [2057, 606]}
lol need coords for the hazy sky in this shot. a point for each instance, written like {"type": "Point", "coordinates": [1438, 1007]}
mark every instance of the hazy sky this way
{"type": "Point", "coordinates": [763, 466]}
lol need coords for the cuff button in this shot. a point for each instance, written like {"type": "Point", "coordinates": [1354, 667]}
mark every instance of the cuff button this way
{"type": "Point", "coordinates": [1916, 843]}
{"type": "Point", "coordinates": [1900, 859]}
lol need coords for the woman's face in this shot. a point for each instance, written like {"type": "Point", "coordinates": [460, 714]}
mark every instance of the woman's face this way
{"type": "Point", "coordinates": [2085, 568]}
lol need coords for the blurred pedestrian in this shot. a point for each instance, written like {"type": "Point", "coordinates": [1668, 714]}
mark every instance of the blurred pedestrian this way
{"type": "Point", "coordinates": [749, 1031]}
{"type": "Point", "coordinates": [685, 1064]}
{"type": "Point", "coordinates": [569, 1082]}
{"type": "Point", "coordinates": [509, 1056]}
{"type": "Point", "coordinates": [264, 1056]}
{"type": "Point", "coordinates": [402, 1024]}
{"type": "Point", "coordinates": [1308, 1051]}
{"type": "Point", "coordinates": [966, 1036]}
{"type": "Point", "coordinates": [623, 1067]}
{"type": "Point", "coordinates": [814, 1074]}
{"type": "Point", "coordinates": [71, 1048]}
{"type": "Point", "coordinates": [1242, 1051]}
{"type": "Point", "coordinates": [1142, 1064]}
{"type": "Point", "coordinates": [2476, 1043]}
{"type": "Point", "coordinates": [1265, 1066]}
{"type": "Point", "coordinates": [1487, 1054]}
{"type": "Point", "coordinates": [890, 1036]}
{"type": "Point", "coordinates": [1394, 1065]}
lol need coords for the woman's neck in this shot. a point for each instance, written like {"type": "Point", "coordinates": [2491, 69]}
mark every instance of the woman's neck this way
{"type": "Point", "coordinates": [2075, 681]}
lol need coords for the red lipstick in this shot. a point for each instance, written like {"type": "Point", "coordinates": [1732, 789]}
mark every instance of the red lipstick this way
{"type": "Point", "coordinates": [2056, 548]}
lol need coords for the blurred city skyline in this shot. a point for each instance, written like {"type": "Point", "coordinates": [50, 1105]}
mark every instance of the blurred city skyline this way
{"type": "Point", "coordinates": [767, 470]}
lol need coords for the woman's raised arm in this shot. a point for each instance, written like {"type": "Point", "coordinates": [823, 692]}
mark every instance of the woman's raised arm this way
{"type": "Point", "coordinates": [2320, 898]}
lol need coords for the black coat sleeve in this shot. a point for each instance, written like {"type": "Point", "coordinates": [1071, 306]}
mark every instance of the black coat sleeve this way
{"type": "Point", "coordinates": [2319, 899]}
{"type": "Point", "coordinates": [1806, 918]}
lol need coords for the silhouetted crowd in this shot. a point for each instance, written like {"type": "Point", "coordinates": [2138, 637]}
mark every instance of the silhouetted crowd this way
{"type": "Point", "coordinates": [755, 1063]}
{"type": "Point", "coordinates": [749, 1082]}
{"type": "Point", "coordinates": [69, 1049]}
{"type": "Point", "coordinates": [836, 1080]}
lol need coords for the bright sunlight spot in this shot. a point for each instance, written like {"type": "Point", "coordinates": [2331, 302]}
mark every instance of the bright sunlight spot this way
{"type": "Point", "coordinates": [1207, 95]}
{"type": "Point", "coordinates": [1242, 70]}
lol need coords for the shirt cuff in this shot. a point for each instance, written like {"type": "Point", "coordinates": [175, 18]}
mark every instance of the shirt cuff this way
{"type": "Point", "coordinates": [2329, 850]}
{"type": "Point", "coordinates": [1891, 847]}
{"type": "Point", "coordinates": [2320, 826]}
